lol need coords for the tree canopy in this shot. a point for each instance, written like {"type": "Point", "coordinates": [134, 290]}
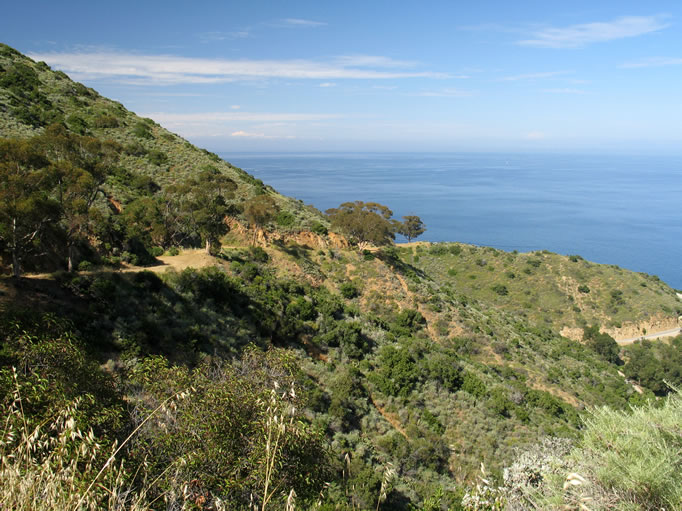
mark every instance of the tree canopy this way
{"type": "Point", "coordinates": [411, 227]}
{"type": "Point", "coordinates": [364, 222]}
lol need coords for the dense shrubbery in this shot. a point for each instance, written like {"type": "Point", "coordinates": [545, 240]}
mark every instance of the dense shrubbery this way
{"type": "Point", "coordinates": [655, 365]}
{"type": "Point", "coordinates": [222, 432]}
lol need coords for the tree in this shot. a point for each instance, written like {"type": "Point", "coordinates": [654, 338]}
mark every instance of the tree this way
{"type": "Point", "coordinates": [259, 211]}
{"type": "Point", "coordinates": [411, 227]}
{"type": "Point", "coordinates": [208, 205]}
{"type": "Point", "coordinates": [79, 166]}
{"type": "Point", "coordinates": [603, 344]}
{"type": "Point", "coordinates": [25, 206]}
{"type": "Point", "coordinates": [364, 222]}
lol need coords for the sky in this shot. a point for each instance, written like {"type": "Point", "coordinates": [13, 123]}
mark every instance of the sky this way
{"type": "Point", "coordinates": [253, 76]}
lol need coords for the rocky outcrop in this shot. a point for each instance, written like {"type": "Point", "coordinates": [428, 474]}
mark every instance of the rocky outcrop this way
{"type": "Point", "coordinates": [262, 238]}
{"type": "Point", "coordinates": [629, 330]}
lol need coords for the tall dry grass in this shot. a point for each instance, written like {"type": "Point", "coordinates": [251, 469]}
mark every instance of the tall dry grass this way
{"type": "Point", "coordinates": [57, 466]}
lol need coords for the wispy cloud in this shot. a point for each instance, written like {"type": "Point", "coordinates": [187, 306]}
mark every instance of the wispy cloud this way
{"type": "Point", "coordinates": [372, 61]}
{"type": "Point", "coordinates": [239, 124]}
{"type": "Point", "coordinates": [578, 36]}
{"type": "Point", "coordinates": [533, 76]}
{"type": "Point", "coordinates": [328, 84]}
{"type": "Point", "coordinates": [169, 69]}
{"type": "Point", "coordinates": [204, 117]}
{"type": "Point", "coordinates": [566, 90]}
{"type": "Point", "coordinates": [247, 134]}
{"type": "Point", "coordinates": [444, 93]}
{"type": "Point", "coordinates": [654, 62]}
{"type": "Point", "coordinates": [297, 22]}
{"type": "Point", "coordinates": [212, 37]}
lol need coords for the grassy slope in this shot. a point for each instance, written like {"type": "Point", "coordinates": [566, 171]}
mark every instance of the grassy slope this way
{"type": "Point", "coordinates": [544, 287]}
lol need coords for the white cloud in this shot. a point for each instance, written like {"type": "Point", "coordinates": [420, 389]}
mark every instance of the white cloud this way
{"type": "Point", "coordinates": [246, 134]}
{"type": "Point", "coordinates": [533, 76]}
{"type": "Point", "coordinates": [206, 117]}
{"type": "Point", "coordinates": [445, 93]}
{"type": "Point", "coordinates": [211, 37]}
{"type": "Point", "coordinates": [168, 69]}
{"type": "Point", "coordinates": [235, 107]}
{"type": "Point", "coordinates": [654, 62]}
{"type": "Point", "coordinates": [328, 84]}
{"type": "Point", "coordinates": [297, 22]}
{"type": "Point", "coordinates": [372, 61]}
{"type": "Point", "coordinates": [578, 36]}
{"type": "Point", "coordinates": [566, 90]}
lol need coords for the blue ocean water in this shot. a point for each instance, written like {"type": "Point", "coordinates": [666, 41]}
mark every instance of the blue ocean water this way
{"type": "Point", "coordinates": [622, 210]}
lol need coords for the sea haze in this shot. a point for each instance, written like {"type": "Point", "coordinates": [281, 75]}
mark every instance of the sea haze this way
{"type": "Point", "coordinates": [620, 210]}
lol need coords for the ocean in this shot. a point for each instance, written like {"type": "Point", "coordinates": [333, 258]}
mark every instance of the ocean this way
{"type": "Point", "coordinates": [622, 210]}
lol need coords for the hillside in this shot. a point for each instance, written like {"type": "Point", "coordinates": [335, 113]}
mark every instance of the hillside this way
{"type": "Point", "coordinates": [33, 96]}
{"type": "Point", "coordinates": [284, 364]}
{"type": "Point", "coordinates": [565, 293]}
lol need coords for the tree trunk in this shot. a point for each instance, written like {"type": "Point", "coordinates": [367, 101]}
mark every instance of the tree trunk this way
{"type": "Point", "coordinates": [208, 246]}
{"type": "Point", "coordinates": [70, 259]}
{"type": "Point", "coordinates": [16, 266]}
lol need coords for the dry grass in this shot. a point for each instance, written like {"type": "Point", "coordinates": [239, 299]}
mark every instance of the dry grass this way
{"type": "Point", "coordinates": [55, 466]}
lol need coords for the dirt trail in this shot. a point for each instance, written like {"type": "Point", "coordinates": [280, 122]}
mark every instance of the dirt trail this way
{"type": "Point", "coordinates": [390, 418]}
{"type": "Point", "coordinates": [427, 314]}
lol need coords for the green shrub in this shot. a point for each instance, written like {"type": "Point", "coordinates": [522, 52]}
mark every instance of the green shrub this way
{"type": "Point", "coordinates": [285, 219]}
{"type": "Point", "coordinates": [106, 121]}
{"type": "Point", "coordinates": [438, 249]}
{"type": "Point", "coordinates": [583, 289]}
{"type": "Point", "coordinates": [320, 229]}
{"type": "Point", "coordinates": [77, 124]}
{"type": "Point", "coordinates": [397, 373]}
{"type": "Point", "coordinates": [157, 157]}
{"type": "Point", "coordinates": [142, 130]}
{"type": "Point", "coordinates": [349, 290]}
{"type": "Point", "coordinates": [411, 319]}
{"type": "Point", "coordinates": [473, 385]}
{"type": "Point", "coordinates": [500, 289]}
{"type": "Point", "coordinates": [85, 266]}
{"type": "Point", "coordinates": [226, 426]}
{"type": "Point", "coordinates": [135, 149]}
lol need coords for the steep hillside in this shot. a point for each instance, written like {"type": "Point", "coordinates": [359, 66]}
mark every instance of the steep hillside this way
{"type": "Point", "coordinates": [32, 96]}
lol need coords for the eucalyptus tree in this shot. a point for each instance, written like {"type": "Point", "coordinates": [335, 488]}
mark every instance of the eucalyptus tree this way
{"type": "Point", "coordinates": [26, 208]}
{"type": "Point", "coordinates": [364, 222]}
{"type": "Point", "coordinates": [411, 227]}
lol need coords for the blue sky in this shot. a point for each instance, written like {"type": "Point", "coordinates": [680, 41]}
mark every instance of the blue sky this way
{"type": "Point", "coordinates": [377, 76]}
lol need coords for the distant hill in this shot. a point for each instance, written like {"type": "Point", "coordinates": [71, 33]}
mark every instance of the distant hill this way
{"type": "Point", "coordinates": [566, 293]}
